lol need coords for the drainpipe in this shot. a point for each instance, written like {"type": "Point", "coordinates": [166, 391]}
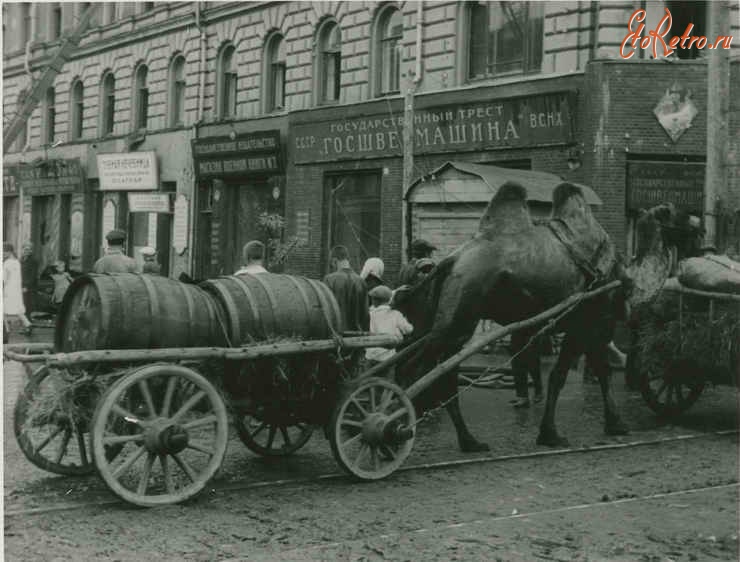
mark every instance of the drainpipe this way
{"type": "Point", "coordinates": [201, 65]}
{"type": "Point", "coordinates": [419, 27]}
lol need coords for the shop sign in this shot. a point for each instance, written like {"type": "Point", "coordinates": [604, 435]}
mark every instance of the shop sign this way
{"type": "Point", "coordinates": [653, 183]}
{"type": "Point", "coordinates": [180, 225]}
{"type": "Point", "coordinates": [131, 171]}
{"type": "Point", "coordinates": [512, 123]}
{"type": "Point", "coordinates": [148, 202]}
{"type": "Point", "coordinates": [48, 177]}
{"type": "Point", "coordinates": [10, 186]}
{"type": "Point", "coordinates": [244, 155]}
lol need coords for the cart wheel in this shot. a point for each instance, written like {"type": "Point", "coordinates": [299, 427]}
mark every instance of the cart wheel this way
{"type": "Point", "coordinates": [172, 427]}
{"type": "Point", "coordinates": [674, 390]}
{"type": "Point", "coordinates": [56, 438]}
{"type": "Point", "coordinates": [372, 429]}
{"type": "Point", "coordinates": [271, 438]}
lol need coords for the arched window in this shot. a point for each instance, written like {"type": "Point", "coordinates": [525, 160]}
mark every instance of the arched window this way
{"type": "Point", "coordinates": [108, 104]}
{"type": "Point", "coordinates": [388, 33]}
{"type": "Point", "coordinates": [177, 91]}
{"type": "Point", "coordinates": [226, 87]}
{"type": "Point", "coordinates": [274, 73]}
{"type": "Point", "coordinates": [503, 38]}
{"type": "Point", "coordinates": [141, 97]}
{"type": "Point", "coordinates": [329, 61]}
{"type": "Point", "coordinates": [49, 115]}
{"type": "Point", "coordinates": [77, 110]}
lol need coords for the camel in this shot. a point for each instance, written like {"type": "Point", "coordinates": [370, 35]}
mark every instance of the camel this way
{"type": "Point", "coordinates": [513, 269]}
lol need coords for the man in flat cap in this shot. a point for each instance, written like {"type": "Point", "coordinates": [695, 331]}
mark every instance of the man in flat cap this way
{"type": "Point", "coordinates": [253, 258]}
{"type": "Point", "coordinates": [419, 265]}
{"type": "Point", "coordinates": [151, 265]}
{"type": "Point", "coordinates": [115, 260]}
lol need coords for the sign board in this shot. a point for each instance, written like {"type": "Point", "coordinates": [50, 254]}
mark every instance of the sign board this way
{"type": "Point", "coordinates": [47, 177]}
{"type": "Point", "coordinates": [543, 120]}
{"type": "Point", "coordinates": [303, 227]}
{"type": "Point", "coordinates": [651, 183]}
{"type": "Point", "coordinates": [244, 155]}
{"type": "Point", "coordinates": [156, 202]}
{"type": "Point", "coordinates": [132, 171]}
{"type": "Point", "coordinates": [180, 225]}
{"type": "Point", "coordinates": [10, 186]}
{"type": "Point", "coordinates": [109, 219]}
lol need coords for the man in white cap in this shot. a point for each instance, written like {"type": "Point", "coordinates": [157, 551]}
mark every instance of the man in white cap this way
{"type": "Point", "coordinates": [115, 260]}
{"type": "Point", "coordinates": [151, 265]}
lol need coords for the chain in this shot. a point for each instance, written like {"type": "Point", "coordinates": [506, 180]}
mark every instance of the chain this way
{"type": "Point", "coordinates": [549, 325]}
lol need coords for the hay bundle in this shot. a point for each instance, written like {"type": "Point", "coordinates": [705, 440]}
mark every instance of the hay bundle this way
{"type": "Point", "coordinates": [62, 402]}
{"type": "Point", "coordinates": [710, 347]}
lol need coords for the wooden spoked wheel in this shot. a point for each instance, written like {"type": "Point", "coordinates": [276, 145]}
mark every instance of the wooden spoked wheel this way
{"type": "Point", "coordinates": [52, 420]}
{"type": "Point", "coordinates": [672, 391]}
{"type": "Point", "coordinates": [271, 437]}
{"type": "Point", "coordinates": [372, 429]}
{"type": "Point", "coordinates": [171, 426]}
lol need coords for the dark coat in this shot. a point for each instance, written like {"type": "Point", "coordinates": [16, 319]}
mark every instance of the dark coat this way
{"type": "Point", "coordinates": [351, 293]}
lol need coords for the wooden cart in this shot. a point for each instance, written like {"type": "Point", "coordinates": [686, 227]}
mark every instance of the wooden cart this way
{"type": "Point", "coordinates": [687, 339]}
{"type": "Point", "coordinates": [154, 422]}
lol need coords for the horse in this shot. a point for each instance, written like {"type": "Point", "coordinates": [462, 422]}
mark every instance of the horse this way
{"type": "Point", "coordinates": [514, 269]}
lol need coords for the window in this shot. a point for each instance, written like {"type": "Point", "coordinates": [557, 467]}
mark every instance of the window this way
{"type": "Point", "coordinates": [330, 62]}
{"type": "Point", "coordinates": [504, 38]}
{"type": "Point", "coordinates": [77, 110]}
{"type": "Point", "coordinates": [50, 115]}
{"type": "Point", "coordinates": [177, 91]}
{"type": "Point", "coordinates": [275, 73]}
{"type": "Point", "coordinates": [685, 13]}
{"type": "Point", "coordinates": [141, 98]}
{"type": "Point", "coordinates": [108, 103]}
{"type": "Point", "coordinates": [354, 214]}
{"type": "Point", "coordinates": [227, 83]}
{"type": "Point", "coordinates": [26, 21]}
{"type": "Point", "coordinates": [388, 51]}
{"type": "Point", "coordinates": [56, 21]}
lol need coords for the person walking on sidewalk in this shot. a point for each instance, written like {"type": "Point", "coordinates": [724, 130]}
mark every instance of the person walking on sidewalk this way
{"type": "Point", "coordinates": [13, 290]}
{"type": "Point", "coordinates": [115, 260]}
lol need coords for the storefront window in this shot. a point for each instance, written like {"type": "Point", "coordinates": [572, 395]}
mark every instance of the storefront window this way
{"type": "Point", "coordinates": [504, 37]}
{"type": "Point", "coordinates": [354, 214]}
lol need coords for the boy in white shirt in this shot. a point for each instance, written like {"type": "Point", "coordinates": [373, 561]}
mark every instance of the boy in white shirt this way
{"type": "Point", "coordinates": [384, 320]}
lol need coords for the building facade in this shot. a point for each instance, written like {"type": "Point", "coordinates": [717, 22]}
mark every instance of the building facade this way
{"type": "Point", "coordinates": [190, 125]}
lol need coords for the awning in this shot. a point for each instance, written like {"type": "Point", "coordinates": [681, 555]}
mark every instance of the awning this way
{"type": "Point", "coordinates": [452, 181]}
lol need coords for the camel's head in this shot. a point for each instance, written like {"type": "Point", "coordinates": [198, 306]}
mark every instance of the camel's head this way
{"type": "Point", "coordinates": [657, 234]}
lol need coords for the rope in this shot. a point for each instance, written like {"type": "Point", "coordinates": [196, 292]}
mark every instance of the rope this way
{"type": "Point", "coordinates": [549, 325]}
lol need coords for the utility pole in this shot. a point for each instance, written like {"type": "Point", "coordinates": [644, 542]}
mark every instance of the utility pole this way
{"type": "Point", "coordinates": [716, 197]}
{"type": "Point", "coordinates": [408, 156]}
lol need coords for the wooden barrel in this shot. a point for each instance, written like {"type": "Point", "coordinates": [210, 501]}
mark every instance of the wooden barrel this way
{"type": "Point", "coordinates": [132, 311]}
{"type": "Point", "coordinates": [266, 305]}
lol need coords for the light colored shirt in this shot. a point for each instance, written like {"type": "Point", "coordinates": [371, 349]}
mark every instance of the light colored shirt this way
{"type": "Point", "coordinates": [252, 268]}
{"type": "Point", "coordinates": [385, 320]}
{"type": "Point", "coordinates": [12, 290]}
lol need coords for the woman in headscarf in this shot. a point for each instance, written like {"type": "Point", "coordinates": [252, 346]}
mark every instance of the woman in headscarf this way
{"type": "Point", "coordinates": [372, 273]}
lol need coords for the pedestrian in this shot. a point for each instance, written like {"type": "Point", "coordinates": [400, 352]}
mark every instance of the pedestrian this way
{"type": "Point", "coordinates": [151, 265]}
{"type": "Point", "coordinates": [30, 277]}
{"type": "Point", "coordinates": [372, 273]}
{"type": "Point", "coordinates": [420, 264]}
{"type": "Point", "coordinates": [350, 292]}
{"type": "Point", "coordinates": [62, 280]}
{"type": "Point", "coordinates": [384, 320]}
{"type": "Point", "coordinates": [115, 260]}
{"type": "Point", "coordinates": [253, 258]}
{"type": "Point", "coordinates": [13, 290]}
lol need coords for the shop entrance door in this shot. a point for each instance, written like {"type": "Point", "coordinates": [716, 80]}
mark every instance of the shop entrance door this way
{"type": "Point", "coordinates": [44, 230]}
